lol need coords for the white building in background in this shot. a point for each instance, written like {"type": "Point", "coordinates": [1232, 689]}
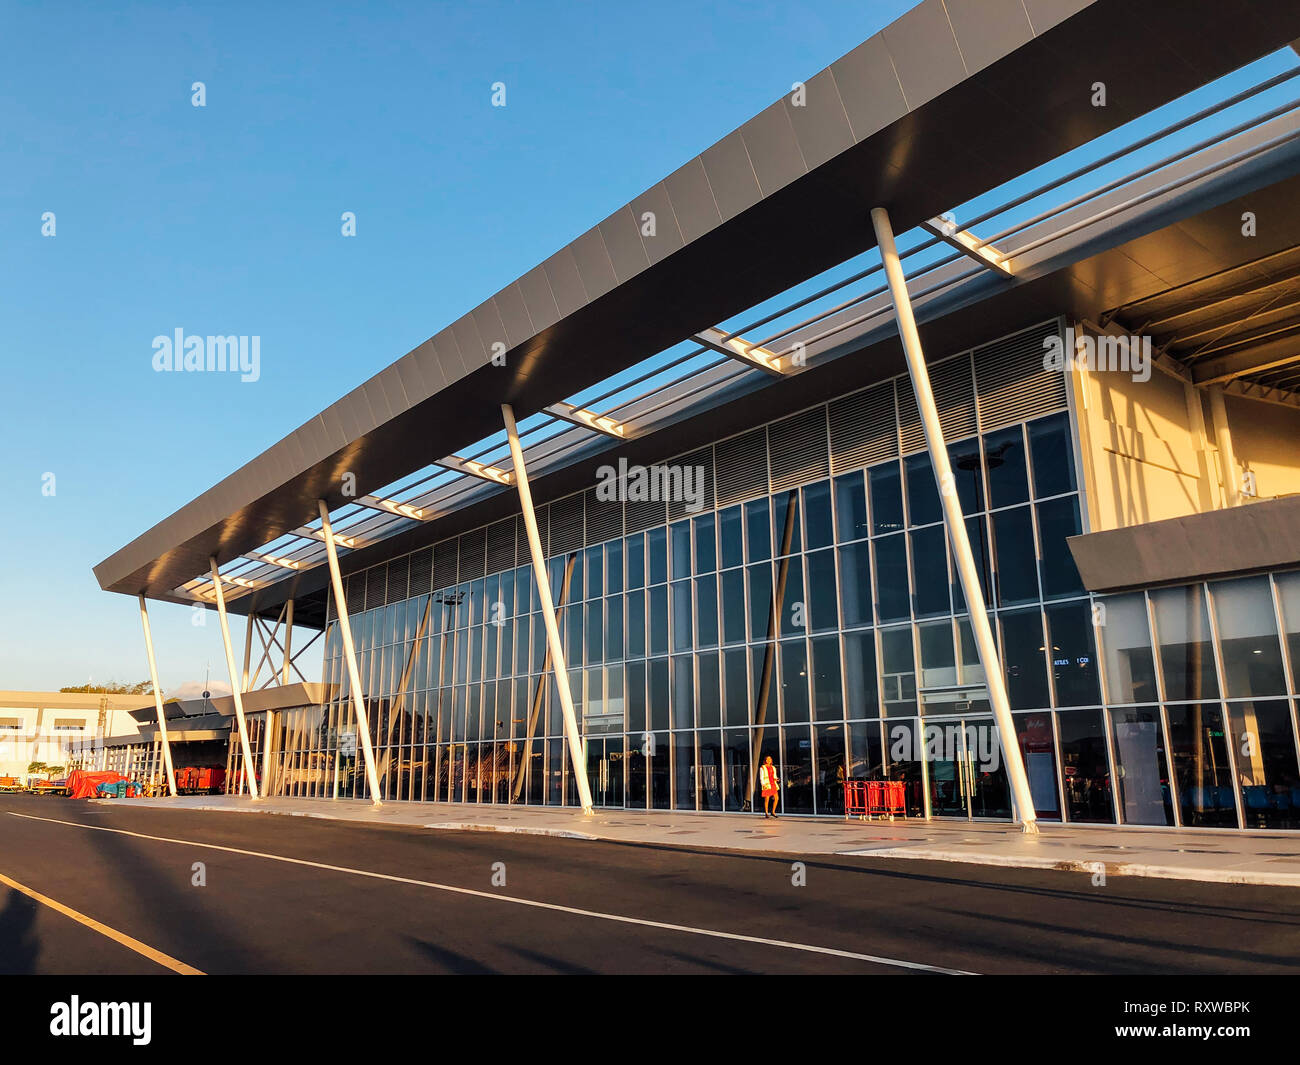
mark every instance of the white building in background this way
{"type": "Point", "coordinates": [44, 726]}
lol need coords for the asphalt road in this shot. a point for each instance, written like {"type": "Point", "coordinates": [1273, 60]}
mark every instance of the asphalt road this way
{"type": "Point", "coordinates": [292, 895]}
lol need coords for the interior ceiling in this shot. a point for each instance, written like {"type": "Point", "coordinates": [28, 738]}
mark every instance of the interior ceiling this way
{"type": "Point", "coordinates": [1242, 323]}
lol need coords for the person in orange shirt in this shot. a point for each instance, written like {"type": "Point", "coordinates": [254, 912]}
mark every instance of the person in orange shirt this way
{"type": "Point", "coordinates": [767, 783]}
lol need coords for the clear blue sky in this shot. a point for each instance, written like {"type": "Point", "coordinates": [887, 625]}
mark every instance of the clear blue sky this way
{"type": "Point", "coordinates": [225, 220]}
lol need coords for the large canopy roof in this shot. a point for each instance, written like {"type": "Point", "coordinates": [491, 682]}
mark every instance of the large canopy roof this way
{"type": "Point", "coordinates": [953, 99]}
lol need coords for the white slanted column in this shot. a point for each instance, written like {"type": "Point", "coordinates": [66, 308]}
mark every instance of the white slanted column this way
{"type": "Point", "coordinates": [577, 757]}
{"type": "Point", "coordinates": [236, 685]}
{"type": "Point", "coordinates": [158, 700]}
{"type": "Point", "coordinates": [350, 656]}
{"type": "Point", "coordinates": [954, 522]}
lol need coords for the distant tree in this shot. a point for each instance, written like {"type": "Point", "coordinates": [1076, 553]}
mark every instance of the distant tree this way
{"type": "Point", "coordinates": [35, 767]}
{"type": "Point", "coordinates": [111, 688]}
{"type": "Point", "coordinates": [54, 770]}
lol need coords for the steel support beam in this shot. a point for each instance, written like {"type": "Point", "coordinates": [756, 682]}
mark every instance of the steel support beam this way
{"type": "Point", "coordinates": [235, 686]}
{"type": "Point", "coordinates": [576, 754]}
{"type": "Point", "coordinates": [287, 660]}
{"type": "Point", "coordinates": [350, 655]}
{"type": "Point", "coordinates": [158, 700]}
{"type": "Point", "coordinates": [968, 244]}
{"type": "Point", "coordinates": [954, 521]}
{"type": "Point", "coordinates": [1223, 439]}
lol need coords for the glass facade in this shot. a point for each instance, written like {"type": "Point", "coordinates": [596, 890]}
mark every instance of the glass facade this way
{"type": "Point", "coordinates": [824, 624]}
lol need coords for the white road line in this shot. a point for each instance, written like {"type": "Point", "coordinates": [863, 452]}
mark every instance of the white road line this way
{"type": "Point", "coordinates": [158, 956]}
{"type": "Point", "coordinates": [555, 907]}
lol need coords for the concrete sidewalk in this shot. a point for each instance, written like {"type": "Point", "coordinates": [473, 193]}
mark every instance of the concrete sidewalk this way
{"type": "Point", "coordinates": [1212, 857]}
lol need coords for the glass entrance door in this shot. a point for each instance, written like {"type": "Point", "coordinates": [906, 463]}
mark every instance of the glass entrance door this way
{"type": "Point", "coordinates": [968, 778]}
{"type": "Point", "coordinates": [605, 768]}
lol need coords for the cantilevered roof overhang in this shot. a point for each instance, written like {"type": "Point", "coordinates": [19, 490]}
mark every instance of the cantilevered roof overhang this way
{"type": "Point", "coordinates": [956, 97]}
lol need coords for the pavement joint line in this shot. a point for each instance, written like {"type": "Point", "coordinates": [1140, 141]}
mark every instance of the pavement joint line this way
{"type": "Point", "coordinates": [533, 903]}
{"type": "Point", "coordinates": [165, 960]}
{"type": "Point", "coordinates": [1112, 868]}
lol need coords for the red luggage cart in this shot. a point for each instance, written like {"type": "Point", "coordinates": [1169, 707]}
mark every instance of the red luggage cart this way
{"type": "Point", "coordinates": [867, 799]}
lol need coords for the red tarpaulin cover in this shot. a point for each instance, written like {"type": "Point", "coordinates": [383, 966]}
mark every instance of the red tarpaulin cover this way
{"type": "Point", "coordinates": [82, 785]}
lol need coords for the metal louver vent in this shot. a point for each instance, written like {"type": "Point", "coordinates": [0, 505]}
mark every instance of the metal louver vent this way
{"type": "Point", "coordinates": [399, 578]}
{"type": "Point", "coordinates": [355, 590]}
{"type": "Point", "coordinates": [698, 467]}
{"type": "Point", "coordinates": [863, 428]}
{"type": "Point", "coordinates": [604, 518]}
{"type": "Point", "coordinates": [473, 553]}
{"type": "Point", "coordinates": [566, 525]}
{"type": "Point", "coordinates": [741, 464]}
{"type": "Point", "coordinates": [501, 545]}
{"type": "Point", "coordinates": [1010, 380]}
{"type": "Point", "coordinates": [421, 572]}
{"type": "Point", "coordinates": [911, 433]}
{"type": "Point", "coordinates": [954, 395]}
{"type": "Point", "coordinates": [376, 586]}
{"type": "Point", "coordinates": [445, 558]}
{"type": "Point", "coordinates": [797, 449]}
{"type": "Point", "coordinates": [642, 514]}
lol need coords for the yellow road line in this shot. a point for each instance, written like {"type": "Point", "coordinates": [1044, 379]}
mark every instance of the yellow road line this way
{"type": "Point", "coordinates": [158, 956]}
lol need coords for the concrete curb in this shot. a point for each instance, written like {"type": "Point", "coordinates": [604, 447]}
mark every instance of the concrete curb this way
{"type": "Point", "coordinates": [1158, 872]}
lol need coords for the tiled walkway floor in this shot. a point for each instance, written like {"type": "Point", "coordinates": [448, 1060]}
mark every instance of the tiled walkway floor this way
{"type": "Point", "coordinates": [1223, 857]}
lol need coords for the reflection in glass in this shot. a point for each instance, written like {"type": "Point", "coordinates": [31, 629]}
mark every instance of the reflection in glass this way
{"type": "Point", "coordinates": [1038, 750]}
{"type": "Point", "coordinates": [850, 507]}
{"type": "Point", "coordinates": [828, 704]}
{"type": "Point", "coordinates": [1058, 519]}
{"type": "Point", "coordinates": [898, 672]}
{"type": "Point", "coordinates": [923, 506]}
{"type": "Point", "coordinates": [1051, 455]}
{"type": "Point", "coordinates": [794, 680]}
{"type": "Point", "coordinates": [1288, 593]}
{"type": "Point", "coordinates": [822, 608]}
{"type": "Point", "coordinates": [1022, 656]}
{"type": "Point", "coordinates": [735, 756]}
{"type": "Point", "coordinates": [735, 687]}
{"type": "Point", "coordinates": [1252, 656]}
{"type": "Point", "coordinates": [929, 572]}
{"type": "Point", "coordinates": [1073, 656]}
{"type": "Point", "coordinates": [866, 751]}
{"type": "Point", "coordinates": [1201, 766]}
{"type": "Point", "coordinates": [1183, 632]}
{"type": "Point", "coordinates": [860, 674]}
{"type": "Point", "coordinates": [1085, 766]}
{"type": "Point", "coordinates": [964, 457]}
{"type": "Point", "coordinates": [758, 534]}
{"type": "Point", "coordinates": [893, 599]}
{"type": "Point", "coordinates": [885, 484]}
{"type": "Point", "coordinates": [855, 584]}
{"type": "Point", "coordinates": [829, 751]}
{"type": "Point", "coordinates": [706, 548]}
{"type": "Point", "coordinates": [730, 537]}
{"type": "Point", "coordinates": [817, 515]}
{"type": "Point", "coordinates": [1141, 771]}
{"type": "Point", "coordinates": [1126, 642]}
{"type": "Point", "coordinates": [1013, 536]}
{"type": "Point", "coordinates": [797, 772]}
{"type": "Point", "coordinates": [1265, 752]}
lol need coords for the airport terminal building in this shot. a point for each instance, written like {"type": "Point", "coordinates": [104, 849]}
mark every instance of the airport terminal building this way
{"type": "Point", "coordinates": [939, 401]}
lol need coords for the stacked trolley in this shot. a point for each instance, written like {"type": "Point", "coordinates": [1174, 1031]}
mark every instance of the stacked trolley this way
{"type": "Point", "coordinates": [868, 799]}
